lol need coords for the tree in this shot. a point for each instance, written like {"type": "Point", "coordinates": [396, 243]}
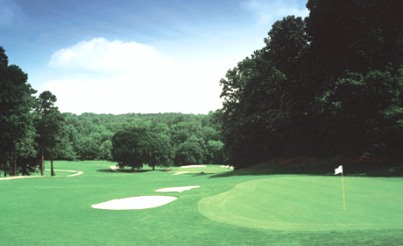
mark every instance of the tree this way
{"type": "Point", "coordinates": [136, 146]}
{"type": "Point", "coordinates": [360, 108]}
{"type": "Point", "coordinates": [162, 151]}
{"type": "Point", "coordinates": [16, 102]}
{"type": "Point", "coordinates": [352, 45]}
{"type": "Point", "coordinates": [355, 35]}
{"type": "Point", "coordinates": [266, 103]}
{"type": "Point", "coordinates": [319, 85]}
{"type": "Point", "coordinates": [191, 151]}
{"type": "Point", "coordinates": [233, 115]}
{"type": "Point", "coordinates": [215, 153]}
{"type": "Point", "coordinates": [49, 127]}
{"type": "Point", "coordinates": [105, 150]}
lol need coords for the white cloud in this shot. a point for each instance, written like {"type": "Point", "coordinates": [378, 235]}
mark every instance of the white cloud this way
{"type": "Point", "coordinates": [99, 54]}
{"type": "Point", "coordinates": [104, 76]}
{"type": "Point", "coordinates": [267, 12]}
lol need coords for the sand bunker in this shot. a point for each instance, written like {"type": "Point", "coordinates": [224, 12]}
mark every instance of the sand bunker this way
{"type": "Point", "coordinates": [139, 202]}
{"type": "Point", "coordinates": [114, 168]}
{"type": "Point", "coordinates": [20, 177]}
{"type": "Point", "coordinates": [193, 166]}
{"type": "Point", "coordinates": [178, 189]}
{"type": "Point", "coordinates": [180, 172]}
{"type": "Point", "coordinates": [227, 166]}
{"type": "Point", "coordinates": [77, 173]}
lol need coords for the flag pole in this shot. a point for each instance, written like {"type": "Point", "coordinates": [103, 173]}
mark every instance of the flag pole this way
{"type": "Point", "coordinates": [337, 171]}
{"type": "Point", "coordinates": [344, 194]}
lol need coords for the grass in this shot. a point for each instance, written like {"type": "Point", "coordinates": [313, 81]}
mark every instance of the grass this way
{"type": "Point", "coordinates": [309, 203]}
{"type": "Point", "coordinates": [226, 210]}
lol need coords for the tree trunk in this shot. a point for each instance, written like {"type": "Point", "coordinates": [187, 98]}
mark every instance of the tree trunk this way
{"type": "Point", "coordinates": [5, 168]}
{"type": "Point", "coordinates": [42, 162]}
{"type": "Point", "coordinates": [14, 163]}
{"type": "Point", "coordinates": [52, 171]}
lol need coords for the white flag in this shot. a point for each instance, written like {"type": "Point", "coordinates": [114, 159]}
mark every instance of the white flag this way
{"type": "Point", "coordinates": [338, 170]}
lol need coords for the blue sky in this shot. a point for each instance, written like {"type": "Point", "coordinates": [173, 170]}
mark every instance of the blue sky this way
{"type": "Point", "coordinates": [136, 56]}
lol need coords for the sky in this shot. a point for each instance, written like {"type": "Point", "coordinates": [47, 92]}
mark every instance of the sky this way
{"type": "Point", "coordinates": [135, 56]}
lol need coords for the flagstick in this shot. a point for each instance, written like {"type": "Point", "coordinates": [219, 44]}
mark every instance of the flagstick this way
{"type": "Point", "coordinates": [344, 195]}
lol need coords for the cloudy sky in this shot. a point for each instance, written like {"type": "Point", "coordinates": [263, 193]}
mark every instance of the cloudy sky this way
{"type": "Point", "coordinates": [140, 56]}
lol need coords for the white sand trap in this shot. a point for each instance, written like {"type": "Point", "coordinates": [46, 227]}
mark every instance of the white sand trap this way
{"type": "Point", "coordinates": [178, 189]}
{"type": "Point", "coordinates": [180, 172]}
{"type": "Point", "coordinates": [227, 166]}
{"type": "Point", "coordinates": [114, 168]}
{"type": "Point", "coordinates": [76, 174]}
{"type": "Point", "coordinates": [138, 202]}
{"type": "Point", "coordinates": [70, 171]}
{"type": "Point", "coordinates": [193, 166]}
{"type": "Point", "coordinates": [20, 177]}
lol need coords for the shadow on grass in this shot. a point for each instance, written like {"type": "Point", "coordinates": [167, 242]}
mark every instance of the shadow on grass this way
{"type": "Point", "coordinates": [108, 170]}
{"type": "Point", "coordinates": [323, 167]}
{"type": "Point", "coordinates": [202, 174]}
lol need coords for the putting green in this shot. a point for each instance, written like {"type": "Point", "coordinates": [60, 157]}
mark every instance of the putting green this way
{"type": "Point", "coordinates": [309, 203]}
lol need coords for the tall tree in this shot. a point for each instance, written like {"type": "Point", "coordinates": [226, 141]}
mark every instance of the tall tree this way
{"type": "Point", "coordinates": [360, 108]}
{"type": "Point", "coordinates": [286, 98]}
{"type": "Point", "coordinates": [265, 101]}
{"type": "Point", "coordinates": [354, 34]}
{"type": "Point", "coordinates": [16, 102]}
{"type": "Point", "coordinates": [127, 148]}
{"type": "Point", "coordinates": [354, 44]}
{"type": "Point", "coordinates": [49, 126]}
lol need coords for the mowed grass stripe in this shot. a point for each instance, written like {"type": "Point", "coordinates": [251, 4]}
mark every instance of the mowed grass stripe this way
{"type": "Point", "coordinates": [309, 203]}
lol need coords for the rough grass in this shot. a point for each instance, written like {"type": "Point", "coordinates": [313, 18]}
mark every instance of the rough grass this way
{"type": "Point", "coordinates": [57, 210]}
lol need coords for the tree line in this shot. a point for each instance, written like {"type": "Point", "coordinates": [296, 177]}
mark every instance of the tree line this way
{"type": "Point", "coordinates": [136, 139]}
{"type": "Point", "coordinates": [30, 126]}
{"type": "Point", "coordinates": [33, 129]}
{"type": "Point", "coordinates": [330, 84]}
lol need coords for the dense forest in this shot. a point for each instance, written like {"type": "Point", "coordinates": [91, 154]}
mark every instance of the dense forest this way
{"type": "Point", "coordinates": [182, 139]}
{"type": "Point", "coordinates": [327, 85]}
{"type": "Point", "coordinates": [33, 129]}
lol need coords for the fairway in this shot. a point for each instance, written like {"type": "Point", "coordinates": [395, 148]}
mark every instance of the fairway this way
{"type": "Point", "coordinates": [207, 209]}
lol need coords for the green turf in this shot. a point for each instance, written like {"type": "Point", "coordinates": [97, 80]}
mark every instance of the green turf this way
{"type": "Point", "coordinates": [57, 210]}
{"type": "Point", "coordinates": [309, 203]}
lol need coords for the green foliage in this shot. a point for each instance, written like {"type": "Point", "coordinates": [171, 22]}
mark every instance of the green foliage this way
{"type": "Point", "coordinates": [16, 103]}
{"type": "Point", "coordinates": [105, 150]}
{"type": "Point", "coordinates": [128, 147]}
{"type": "Point", "coordinates": [48, 123]}
{"type": "Point", "coordinates": [191, 151]}
{"type": "Point", "coordinates": [214, 153]}
{"type": "Point", "coordinates": [262, 97]}
{"type": "Point", "coordinates": [357, 109]}
{"type": "Point", "coordinates": [327, 85]}
{"type": "Point", "coordinates": [352, 35]}
{"type": "Point", "coordinates": [90, 135]}
{"type": "Point", "coordinates": [34, 127]}
{"type": "Point", "coordinates": [136, 146]}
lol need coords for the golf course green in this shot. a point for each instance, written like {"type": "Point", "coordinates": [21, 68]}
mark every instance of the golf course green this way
{"type": "Point", "coordinates": [210, 209]}
{"type": "Point", "coordinates": [305, 203]}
